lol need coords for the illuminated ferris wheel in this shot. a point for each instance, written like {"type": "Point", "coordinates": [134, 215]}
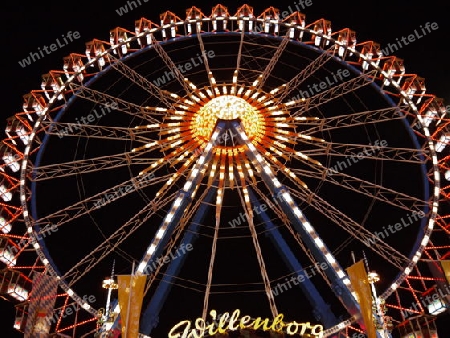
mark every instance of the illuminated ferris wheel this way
{"type": "Point", "coordinates": [237, 161]}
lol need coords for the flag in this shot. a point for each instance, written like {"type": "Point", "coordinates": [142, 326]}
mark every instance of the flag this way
{"type": "Point", "coordinates": [360, 283]}
{"type": "Point", "coordinates": [130, 292]}
{"type": "Point", "coordinates": [446, 267]}
{"type": "Point", "coordinates": [41, 303]}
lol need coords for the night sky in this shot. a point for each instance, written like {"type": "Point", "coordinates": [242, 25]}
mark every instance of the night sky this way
{"type": "Point", "coordinates": [28, 27]}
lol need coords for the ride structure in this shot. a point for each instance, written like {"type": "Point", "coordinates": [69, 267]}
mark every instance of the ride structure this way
{"type": "Point", "coordinates": [231, 135]}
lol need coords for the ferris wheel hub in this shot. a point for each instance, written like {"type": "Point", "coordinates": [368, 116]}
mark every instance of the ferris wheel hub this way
{"type": "Point", "coordinates": [227, 107]}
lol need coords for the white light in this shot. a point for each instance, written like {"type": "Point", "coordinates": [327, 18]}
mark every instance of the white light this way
{"type": "Point", "coordinates": [160, 233]}
{"type": "Point", "coordinates": [443, 142]}
{"type": "Point", "coordinates": [142, 266]}
{"type": "Point", "coordinates": [436, 191]}
{"type": "Point", "coordinates": [187, 185]}
{"type": "Point", "coordinates": [70, 292]}
{"type": "Point", "coordinates": [4, 225]}
{"type": "Point", "coordinates": [7, 257]}
{"type": "Point", "coordinates": [436, 307]}
{"type": "Point", "coordinates": [5, 194]}
{"type": "Point", "coordinates": [177, 202]}
{"type": "Point", "coordinates": [11, 162]}
{"type": "Point", "coordinates": [267, 170]}
{"type": "Point", "coordinates": [330, 258]}
{"type": "Point", "coordinates": [151, 249]}
{"type": "Point", "coordinates": [319, 242]}
{"type": "Point", "coordinates": [287, 197]}
{"type": "Point", "coordinates": [447, 175]}
{"type": "Point", "coordinates": [425, 240]}
{"type": "Point", "coordinates": [18, 292]}
{"type": "Point", "coordinates": [308, 227]}
{"type": "Point", "coordinates": [276, 183]}
{"type": "Point", "coordinates": [416, 257]}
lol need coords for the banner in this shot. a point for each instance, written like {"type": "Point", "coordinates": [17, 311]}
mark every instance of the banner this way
{"type": "Point", "coordinates": [131, 294]}
{"type": "Point", "coordinates": [360, 283]}
{"type": "Point", "coordinates": [446, 267]}
{"type": "Point", "coordinates": [41, 303]}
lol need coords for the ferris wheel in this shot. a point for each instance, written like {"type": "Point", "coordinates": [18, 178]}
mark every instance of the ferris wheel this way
{"type": "Point", "coordinates": [239, 162]}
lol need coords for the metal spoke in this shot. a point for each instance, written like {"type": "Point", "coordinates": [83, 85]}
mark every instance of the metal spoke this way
{"type": "Point", "coordinates": [83, 207]}
{"type": "Point", "coordinates": [89, 165]}
{"type": "Point", "coordinates": [295, 82]}
{"type": "Point", "coordinates": [190, 212]}
{"type": "Point", "coordinates": [351, 120]}
{"type": "Point", "coordinates": [95, 131]}
{"type": "Point", "coordinates": [142, 82]}
{"type": "Point", "coordinates": [353, 228]}
{"type": "Point", "coordinates": [361, 151]}
{"type": "Point", "coordinates": [269, 68]}
{"type": "Point", "coordinates": [239, 55]}
{"type": "Point", "coordinates": [171, 65]}
{"type": "Point", "coordinates": [333, 93]}
{"type": "Point", "coordinates": [370, 189]}
{"type": "Point", "coordinates": [246, 204]}
{"type": "Point", "coordinates": [107, 100]}
{"type": "Point", "coordinates": [205, 57]}
{"type": "Point", "coordinates": [113, 241]}
{"type": "Point", "coordinates": [253, 53]}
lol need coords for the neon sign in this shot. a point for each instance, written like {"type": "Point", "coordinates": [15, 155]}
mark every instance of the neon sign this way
{"type": "Point", "coordinates": [199, 328]}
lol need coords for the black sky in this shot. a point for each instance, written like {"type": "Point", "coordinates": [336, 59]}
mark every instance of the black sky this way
{"type": "Point", "coordinates": [27, 27]}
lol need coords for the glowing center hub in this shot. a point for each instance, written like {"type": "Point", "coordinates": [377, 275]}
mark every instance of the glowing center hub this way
{"type": "Point", "coordinates": [227, 107]}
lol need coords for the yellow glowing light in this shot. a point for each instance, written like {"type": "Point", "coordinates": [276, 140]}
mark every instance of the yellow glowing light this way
{"type": "Point", "coordinates": [227, 107]}
{"type": "Point", "coordinates": [234, 322]}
